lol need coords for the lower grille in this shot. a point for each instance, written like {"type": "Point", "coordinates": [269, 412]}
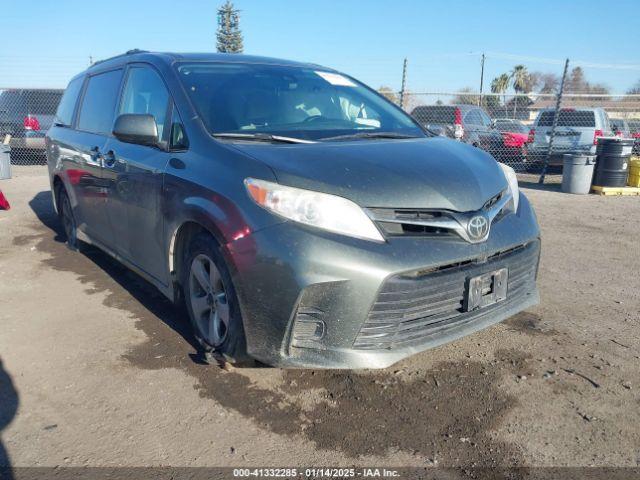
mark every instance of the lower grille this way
{"type": "Point", "coordinates": [411, 307]}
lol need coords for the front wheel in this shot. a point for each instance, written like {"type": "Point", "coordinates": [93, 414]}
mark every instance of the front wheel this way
{"type": "Point", "coordinates": [211, 301]}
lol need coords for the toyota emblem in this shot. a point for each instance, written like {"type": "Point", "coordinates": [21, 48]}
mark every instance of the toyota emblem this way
{"type": "Point", "coordinates": [478, 227]}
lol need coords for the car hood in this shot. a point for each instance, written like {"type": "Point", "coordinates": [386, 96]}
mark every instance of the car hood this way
{"type": "Point", "coordinates": [434, 173]}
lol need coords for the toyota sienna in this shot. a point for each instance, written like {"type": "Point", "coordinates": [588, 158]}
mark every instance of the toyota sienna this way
{"type": "Point", "coordinates": [303, 219]}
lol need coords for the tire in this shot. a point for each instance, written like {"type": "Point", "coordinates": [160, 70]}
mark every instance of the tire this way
{"type": "Point", "coordinates": [65, 212]}
{"type": "Point", "coordinates": [212, 302]}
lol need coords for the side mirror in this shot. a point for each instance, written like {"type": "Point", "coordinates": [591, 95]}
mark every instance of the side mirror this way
{"type": "Point", "coordinates": [137, 128]}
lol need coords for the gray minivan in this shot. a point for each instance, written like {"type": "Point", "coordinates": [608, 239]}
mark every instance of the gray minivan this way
{"type": "Point", "coordinates": [302, 218]}
{"type": "Point", "coordinates": [577, 131]}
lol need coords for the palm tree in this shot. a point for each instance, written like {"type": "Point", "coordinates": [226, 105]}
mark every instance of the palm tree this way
{"type": "Point", "coordinates": [520, 82]}
{"type": "Point", "coordinates": [499, 85]}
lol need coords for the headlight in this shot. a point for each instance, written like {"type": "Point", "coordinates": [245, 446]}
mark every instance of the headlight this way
{"type": "Point", "coordinates": [321, 210]}
{"type": "Point", "coordinates": [512, 180]}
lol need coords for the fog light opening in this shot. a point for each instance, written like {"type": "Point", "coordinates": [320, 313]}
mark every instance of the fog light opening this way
{"type": "Point", "coordinates": [308, 327]}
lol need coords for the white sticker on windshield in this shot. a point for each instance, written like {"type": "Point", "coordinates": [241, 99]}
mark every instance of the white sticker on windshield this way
{"type": "Point", "coordinates": [336, 79]}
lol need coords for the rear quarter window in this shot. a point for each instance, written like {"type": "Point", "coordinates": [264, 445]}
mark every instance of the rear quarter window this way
{"type": "Point", "coordinates": [99, 102]}
{"type": "Point", "coordinates": [67, 105]}
{"type": "Point", "coordinates": [568, 118]}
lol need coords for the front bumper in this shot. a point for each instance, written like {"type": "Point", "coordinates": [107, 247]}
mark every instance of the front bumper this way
{"type": "Point", "coordinates": [288, 274]}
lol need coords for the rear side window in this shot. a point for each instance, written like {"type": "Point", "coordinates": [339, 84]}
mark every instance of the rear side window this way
{"type": "Point", "coordinates": [486, 120]}
{"type": "Point", "coordinates": [64, 115]}
{"type": "Point", "coordinates": [473, 118]}
{"type": "Point", "coordinates": [42, 102]}
{"type": "Point", "coordinates": [145, 93]}
{"type": "Point", "coordinates": [99, 103]}
{"type": "Point", "coordinates": [11, 102]}
{"type": "Point", "coordinates": [437, 115]}
{"type": "Point", "coordinates": [568, 118]}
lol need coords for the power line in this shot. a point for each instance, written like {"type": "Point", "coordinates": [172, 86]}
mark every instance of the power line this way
{"type": "Point", "coordinates": [555, 61]}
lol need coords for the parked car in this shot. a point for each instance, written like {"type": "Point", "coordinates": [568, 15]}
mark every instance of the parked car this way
{"type": "Point", "coordinates": [620, 128]}
{"type": "Point", "coordinates": [515, 136]}
{"type": "Point", "coordinates": [577, 131]}
{"type": "Point", "coordinates": [634, 129]}
{"type": "Point", "coordinates": [26, 115]}
{"type": "Point", "coordinates": [467, 123]}
{"type": "Point", "coordinates": [304, 219]}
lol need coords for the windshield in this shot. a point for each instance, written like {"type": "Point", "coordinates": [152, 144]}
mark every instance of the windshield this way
{"type": "Point", "coordinates": [288, 101]}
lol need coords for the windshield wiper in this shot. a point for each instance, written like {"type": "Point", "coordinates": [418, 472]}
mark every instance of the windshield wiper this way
{"type": "Point", "coordinates": [261, 137]}
{"type": "Point", "coordinates": [371, 135]}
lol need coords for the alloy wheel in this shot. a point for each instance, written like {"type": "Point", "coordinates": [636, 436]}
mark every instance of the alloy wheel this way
{"type": "Point", "coordinates": [209, 302]}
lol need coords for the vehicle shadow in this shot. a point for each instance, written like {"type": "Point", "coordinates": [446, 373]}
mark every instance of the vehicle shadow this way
{"type": "Point", "coordinates": [8, 409]}
{"type": "Point", "coordinates": [439, 413]}
{"type": "Point", "coordinates": [142, 294]}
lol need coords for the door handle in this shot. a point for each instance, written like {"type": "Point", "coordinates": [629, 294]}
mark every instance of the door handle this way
{"type": "Point", "coordinates": [110, 158]}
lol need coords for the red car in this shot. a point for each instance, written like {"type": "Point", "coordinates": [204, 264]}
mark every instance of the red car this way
{"type": "Point", "coordinates": [514, 133]}
{"type": "Point", "coordinates": [515, 137]}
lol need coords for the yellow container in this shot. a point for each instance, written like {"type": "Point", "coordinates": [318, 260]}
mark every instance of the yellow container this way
{"type": "Point", "coordinates": [634, 172]}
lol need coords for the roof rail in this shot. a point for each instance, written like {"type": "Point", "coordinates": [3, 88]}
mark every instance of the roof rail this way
{"type": "Point", "coordinates": [128, 52]}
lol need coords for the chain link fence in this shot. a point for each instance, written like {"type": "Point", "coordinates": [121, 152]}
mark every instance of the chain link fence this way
{"type": "Point", "coordinates": [25, 117]}
{"type": "Point", "coordinates": [515, 129]}
{"type": "Point", "coordinates": [499, 124]}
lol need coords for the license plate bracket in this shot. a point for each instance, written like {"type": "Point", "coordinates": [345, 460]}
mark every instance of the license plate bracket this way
{"type": "Point", "coordinates": [486, 289]}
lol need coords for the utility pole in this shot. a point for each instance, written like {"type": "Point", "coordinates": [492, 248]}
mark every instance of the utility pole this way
{"type": "Point", "coordinates": [481, 78]}
{"type": "Point", "coordinates": [90, 60]}
{"type": "Point", "coordinates": [404, 83]}
{"type": "Point", "coordinates": [555, 123]}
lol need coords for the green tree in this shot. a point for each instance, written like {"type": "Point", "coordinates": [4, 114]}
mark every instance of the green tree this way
{"type": "Point", "coordinates": [520, 81]}
{"type": "Point", "coordinates": [491, 103]}
{"type": "Point", "coordinates": [499, 85]}
{"type": "Point", "coordinates": [576, 83]}
{"type": "Point", "coordinates": [466, 96]}
{"type": "Point", "coordinates": [229, 36]}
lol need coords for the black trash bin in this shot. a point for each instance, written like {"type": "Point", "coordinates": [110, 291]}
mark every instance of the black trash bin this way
{"type": "Point", "coordinates": [612, 164]}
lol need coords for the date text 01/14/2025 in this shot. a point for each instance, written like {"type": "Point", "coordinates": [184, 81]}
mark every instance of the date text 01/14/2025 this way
{"type": "Point", "coordinates": [312, 473]}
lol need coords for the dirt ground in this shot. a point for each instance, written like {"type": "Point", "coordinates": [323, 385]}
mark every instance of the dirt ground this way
{"type": "Point", "coordinates": [97, 369]}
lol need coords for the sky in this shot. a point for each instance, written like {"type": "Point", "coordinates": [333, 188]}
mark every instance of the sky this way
{"type": "Point", "coordinates": [45, 42]}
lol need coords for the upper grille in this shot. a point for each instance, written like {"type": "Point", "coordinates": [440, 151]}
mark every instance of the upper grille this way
{"type": "Point", "coordinates": [426, 222]}
{"type": "Point", "coordinates": [402, 221]}
{"type": "Point", "coordinates": [412, 306]}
